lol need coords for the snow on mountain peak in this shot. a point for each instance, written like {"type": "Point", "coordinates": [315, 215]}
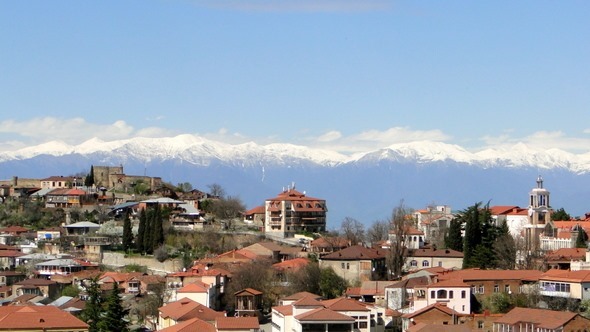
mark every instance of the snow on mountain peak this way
{"type": "Point", "coordinates": [198, 150]}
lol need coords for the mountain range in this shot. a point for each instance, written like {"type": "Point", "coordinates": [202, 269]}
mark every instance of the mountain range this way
{"type": "Point", "coordinates": [364, 186]}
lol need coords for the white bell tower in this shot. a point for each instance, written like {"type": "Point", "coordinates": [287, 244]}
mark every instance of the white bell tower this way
{"type": "Point", "coordinates": [539, 214]}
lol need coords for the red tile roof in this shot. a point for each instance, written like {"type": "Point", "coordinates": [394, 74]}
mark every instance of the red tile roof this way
{"type": "Point", "coordinates": [186, 308]}
{"type": "Point", "coordinates": [251, 291]}
{"type": "Point", "coordinates": [323, 314]}
{"type": "Point", "coordinates": [546, 319]}
{"type": "Point", "coordinates": [291, 264]}
{"type": "Point", "coordinates": [300, 295]}
{"type": "Point", "coordinates": [194, 287]}
{"type": "Point", "coordinates": [433, 252]}
{"type": "Point", "coordinates": [566, 254]}
{"type": "Point", "coordinates": [566, 275]}
{"type": "Point", "coordinates": [344, 304]}
{"type": "Point", "coordinates": [236, 323]}
{"type": "Point", "coordinates": [356, 252]}
{"type": "Point", "coordinates": [37, 317]}
{"type": "Point", "coordinates": [435, 306]}
{"type": "Point", "coordinates": [191, 325]}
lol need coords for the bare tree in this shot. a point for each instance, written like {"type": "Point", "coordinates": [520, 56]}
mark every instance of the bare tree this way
{"type": "Point", "coordinates": [400, 224]}
{"type": "Point", "coordinates": [378, 231]}
{"type": "Point", "coordinates": [216, 190]}
{"type": "Point", "coordinates": [353, 230]}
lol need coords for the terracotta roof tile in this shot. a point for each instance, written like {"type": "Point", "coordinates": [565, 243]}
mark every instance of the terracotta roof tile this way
{"type": "Point", "coordinates": [191, 325]}
{"type": "Point", "coordinates": [356, 252]}
{"type": "Point", "coordinates": [344, 304]}
{"type": "Point", "coordinates": [236, 323]}
{"type": "Point", "coordinates": [546, 319]}
{"type": "Point", "coordinates": [477, 274]}
{"type": "Point", "coordinates": [323, 314]}
{"type": "Point", "coordinates": [37, 317]}
{"type": "Point", "coordinates": [186, 308]}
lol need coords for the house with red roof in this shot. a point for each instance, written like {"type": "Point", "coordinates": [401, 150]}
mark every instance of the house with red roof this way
{"type": "Point", "coordinates": [529, 319]}
{"type": "Point", "coordinates": [514, 216]}
{"type": "Point", "coordinates": [427, 257]}
{"type": "Point", "coordinates": [292, 212]}
{"type": "Point", "coordinates": [199, 292]}
{"type": "Point", "coordinates": [39, 318]}
{"type": "Point", "coordinates": [487, 282]}
{"type": "Point", "coordinates": [357, 263]}
{"type": "Point", "coordinates": [184, 309]}
{"type": "Point", "coordinates": [434, 314]}
{"type": "Point", "coordinates": [453, 293]}
{"type": "Point", "coordinates": [255, 216]}
{"type": "Point", "coordinates": [565, 284]}
{"type": "Point", "coordinates": [341, 314]}
{"type": "Point", "coordinates": [561, 259]}
{"type": "Point", "coordinates": [65, 198]}
{"type": "Point", "coordinates": [8, 259]}
{"type": "Point", "coordinates": [191, 325]}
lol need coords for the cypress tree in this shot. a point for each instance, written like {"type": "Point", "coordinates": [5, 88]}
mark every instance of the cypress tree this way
{"type": "Point", "coordinates": [141, 232]}
{"type": "Point", "coordinates": [127, 233]}
{"type": "Point", "coordinates": [581, 238]}
{"type": "Point", "coordinates": [114, 317]}
{"type": "Point", "coordinates": [454, 240]}
{"type": "Point", "coordinates": [93, 307]}
{"type": "Point", "coordinates": [158, 228]}
{"type": "Point", "coordinates": [148, 234]}
{"type": "Point", "coordinates": [89, 180]}
{"type": "Point", "coordinates": [472, 234]}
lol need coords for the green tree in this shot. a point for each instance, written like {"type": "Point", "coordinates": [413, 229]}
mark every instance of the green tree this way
{"type": "Point", "coordinates": [331, 284]}
{"type": "Point", "coordinates": [148, 234]}
{"type": "Point", "coordinates": [89, 180]}
{"type": "Point", "coordinates": [141, 231]}
{"type": "Point", "coordinates": [71, 291]}
{"type": "Point", "coordinates": [157, 228]}
{"type": "Point", "coordinates": [114, 318]}
{"type": "Point", "coordinates": [498, 303]}
{"type": "Point", "coordinates": [472, 239]}
{"type": "Point", "coordinates": [453, 238]}
{"type": "Point", "coordinates": [306, 279]}
{"type": "Point", "coordinates": [127, 233]}
{"type": "Point", "coordinates": [93, 307]}
{"type": "Point", "coordinates": [560, 215]}
{"type": "Point", "coordinates": [581, 238]}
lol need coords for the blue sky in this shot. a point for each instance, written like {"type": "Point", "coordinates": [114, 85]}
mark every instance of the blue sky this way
{"type": "Point", "coordinates": [344, 75]}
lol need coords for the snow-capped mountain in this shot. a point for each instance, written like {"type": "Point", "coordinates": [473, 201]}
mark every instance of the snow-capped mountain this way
{"type": "Point", "coordinates": [365, 186]}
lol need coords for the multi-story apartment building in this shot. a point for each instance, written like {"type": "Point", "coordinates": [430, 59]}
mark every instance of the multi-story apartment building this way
{"type": "Point", "coordinates": [292, 212]}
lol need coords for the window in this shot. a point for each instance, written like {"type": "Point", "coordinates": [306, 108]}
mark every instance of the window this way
{"type": "Point", "coordinates": [440, 264]}
{"type": "Point", "coordinates": [424, 263]}
{"type": "Point", "coordinates": [432, 294]}
{"type": "Point", "coordinates": [507, 288]}
{"type": "Point", "coordinates": [414, 263]}
{"type": "Point", "coordinates": [463, 294]}
{"type": "Point", "coordinates": [481, 289]}
{"type": "Point", "coordinates": [451, 294]}
{"type": "Point", "coordinates": [496, 288]}
{"type": "Point", "coordinates": [347, 266]}
{"type": "Point", "coordinates": [343, 265]}
{"type": "Point", "coordinates": [441, 294]}
{"type": "Point", "coordinates": [480, 324]}
{"type": "Point", "coordinates": [473, 290]}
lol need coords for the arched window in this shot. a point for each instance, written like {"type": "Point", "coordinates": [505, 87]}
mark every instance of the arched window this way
{"type": "Point", "coordinates": [425, 263]}
{"type": "Point", "coordinates": [414, 263]}
{"type": "Point", "coordinates": [441, 294]}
